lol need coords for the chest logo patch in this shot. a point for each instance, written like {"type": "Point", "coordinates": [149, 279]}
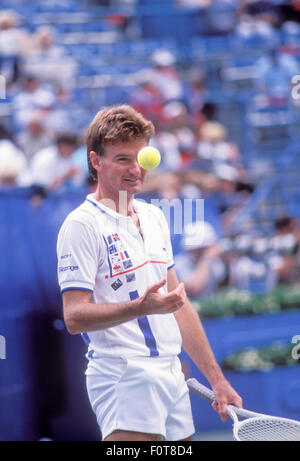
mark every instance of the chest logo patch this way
{"type": "Point", "coordinates": [118, 256]}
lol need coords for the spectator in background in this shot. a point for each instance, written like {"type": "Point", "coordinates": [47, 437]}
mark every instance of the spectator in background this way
{"type": "Point", "coordinates": [14, 42]}
{"type": "Point", "coordinates": [32, 95]}
{"type": "Point", "coordinates": [177, 121]}
{"type": "Point", "coordinates": [47, 61]}
{"type": "Point", "coordinates": [12, 160]}
{"type": "Point", "coordinates": [166, 188]}
{"type": "Point", "coordinates": [165, 76]}
{"type": "Point", "coordinates": [256, 29]}
{"type": "Point", "coordinates": [213, 146]}
{"type": "Point", "coordinates": [54, 166]}
{"type": "Point", "coordinates": [35, 135]}
{"type": "Point", "coordinates": [196, 96]}
{"type": "Point", "coordinates": [247, 265]}
{"type": "Point", "coordinates": [12, 164]}
{"type": "Point", "coordinates": [228, 178]}
{"type": "Point", "coordinates": [200, 265]}
{"type": "Point", "coordinates": [147, 98]}
{"type": "Point", "coordinates": [174, 137]}
{"type": "Point", "coordinates": [284, 246]}
{"type": "Point", "coordinates": [231, 193]}
{"type": "Point", "coordinates": [168, 145]}
{"type": "Point", "coordinates": [11, 36]}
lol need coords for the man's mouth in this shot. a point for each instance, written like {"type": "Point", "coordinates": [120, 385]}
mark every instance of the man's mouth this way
{"type": "Point", "coordinates": [132, 180]}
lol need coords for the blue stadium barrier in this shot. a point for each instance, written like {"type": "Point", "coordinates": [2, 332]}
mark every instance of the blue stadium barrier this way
{"type": "Point", "coordinates": [18, 381]}
{"type": "Point", "coordinates": [36, 379]}
{"type": "Point", "coordinates": [76, 422]}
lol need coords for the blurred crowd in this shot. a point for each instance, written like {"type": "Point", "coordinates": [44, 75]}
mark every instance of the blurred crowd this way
{"type": "Point", "coordinates": [199, 158]}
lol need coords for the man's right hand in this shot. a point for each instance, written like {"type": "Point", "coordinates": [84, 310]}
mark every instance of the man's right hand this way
{"type": "Point", "coordinates": [154, 302]}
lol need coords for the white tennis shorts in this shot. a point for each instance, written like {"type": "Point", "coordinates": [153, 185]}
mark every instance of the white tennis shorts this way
{"type": "Point", "coordinates": [146, 394]}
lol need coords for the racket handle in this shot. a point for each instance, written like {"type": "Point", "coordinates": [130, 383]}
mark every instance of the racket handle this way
{"type": "Point", "coordinates": [201, 390]}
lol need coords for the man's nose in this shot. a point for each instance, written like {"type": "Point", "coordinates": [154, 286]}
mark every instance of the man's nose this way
{"type": "Point", "coordinates": [135, 168]}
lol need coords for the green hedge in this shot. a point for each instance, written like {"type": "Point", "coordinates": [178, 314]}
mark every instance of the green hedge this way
{"type": "Point", "coordinates": [261, 359]}
{"type": "Point", "coordinates": [233, 302]}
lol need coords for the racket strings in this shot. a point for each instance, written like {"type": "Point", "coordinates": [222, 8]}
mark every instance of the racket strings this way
{"type": "Point", "coordinates": [268, 429]}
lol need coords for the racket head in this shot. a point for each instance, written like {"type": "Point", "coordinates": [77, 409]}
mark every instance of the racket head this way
{"type": "Point", "coordinates": [266, 428]}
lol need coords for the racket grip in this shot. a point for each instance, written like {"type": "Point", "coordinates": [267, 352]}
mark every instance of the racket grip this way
{"type": "Point", "coordinates": [201, 390]}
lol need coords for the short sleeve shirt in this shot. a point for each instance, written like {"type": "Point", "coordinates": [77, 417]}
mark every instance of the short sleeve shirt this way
{"type": "Point", "coordinates": [103, 252]}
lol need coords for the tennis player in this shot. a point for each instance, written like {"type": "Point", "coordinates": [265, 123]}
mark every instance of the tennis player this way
{"type": "Point", "coordinates": [121, 292]}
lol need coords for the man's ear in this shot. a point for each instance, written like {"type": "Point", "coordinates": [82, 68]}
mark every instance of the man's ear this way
{"type": "Point", "coordinates": [95, 160]}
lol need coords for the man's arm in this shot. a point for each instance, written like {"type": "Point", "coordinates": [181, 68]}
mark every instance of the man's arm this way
{"type": "Point", "coordinates": [82, 315]}
{"type": "Point", "coordinates": [197, 346]}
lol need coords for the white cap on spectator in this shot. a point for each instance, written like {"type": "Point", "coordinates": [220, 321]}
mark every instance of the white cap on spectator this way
{"type": "Point", "coordinates": [163, 58]}
{"type": "Point", "coordinates": [227, 172]}
{"type": "Point", "coordinates": [174, 109]}
{"type": "Point", "coordinates": [199, 235]}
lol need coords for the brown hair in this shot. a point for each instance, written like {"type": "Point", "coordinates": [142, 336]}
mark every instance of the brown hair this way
{"type": "Point", "coordinates": [115, 124]}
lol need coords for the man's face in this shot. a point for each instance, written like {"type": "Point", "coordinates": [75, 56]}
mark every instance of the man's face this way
{"type": "Point", "coordinates": [119, 169]}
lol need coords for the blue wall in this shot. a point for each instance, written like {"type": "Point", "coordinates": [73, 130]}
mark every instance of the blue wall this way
{"type": "Point", "coordinates": [42, 387]}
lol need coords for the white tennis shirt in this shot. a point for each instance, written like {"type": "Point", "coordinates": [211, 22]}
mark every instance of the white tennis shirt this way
{"type": "Point", "coordinates": [101, 251]}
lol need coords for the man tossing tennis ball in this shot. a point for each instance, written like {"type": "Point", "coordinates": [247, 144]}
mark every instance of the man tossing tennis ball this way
{"type": "Point", "coordinates": [148, 157]}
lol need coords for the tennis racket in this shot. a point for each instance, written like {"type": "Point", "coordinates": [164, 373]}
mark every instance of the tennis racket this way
{"type": "Point", "coordinates": [255, 426]}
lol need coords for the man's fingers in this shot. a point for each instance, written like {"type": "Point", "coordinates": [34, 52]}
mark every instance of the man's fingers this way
{"type": "Point", "coordinates": [220, 408]}
{"type": "Point", "coordinates": [223, 411]}
{"type": "Point", "coordinates": [238, 402]}
{"type": "Point", "coordinates": [156, 286]}
{"type": "Point", "coordinates": [176, 295]}
{"type": "Point", "coordinates": [166, 302]}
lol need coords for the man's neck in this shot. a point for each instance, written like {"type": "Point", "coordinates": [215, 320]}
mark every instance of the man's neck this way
{"type": "Point", "coordinates": [123, 204]}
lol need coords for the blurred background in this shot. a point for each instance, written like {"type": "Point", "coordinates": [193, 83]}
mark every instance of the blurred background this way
{"type": "Point", "coordinates": [221, 82]}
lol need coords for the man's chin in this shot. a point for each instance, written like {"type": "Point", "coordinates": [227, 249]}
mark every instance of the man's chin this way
{"type": "Point", "coordinates": [133, 188]}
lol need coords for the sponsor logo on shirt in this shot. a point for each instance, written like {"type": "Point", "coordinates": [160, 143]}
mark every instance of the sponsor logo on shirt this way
{"type": "Point", "coordinates": [116, 285]}
{"type": "Point", "coordinates": [117, 268]}
{"type": "Point", "coordinates": [115, 259]}
{"type": "Point", "coordinates": [112, 249]}
{"type": "Point", "coordinates": [66, 256]}
{"type": "Point", "coordinates": [66, 268]}
{"type": "Point", "coordinates": [118, 255]}
{"type": "Point", "coordinates": [130, 277]}
{"type": "Point", "coordinates": [127, 264]}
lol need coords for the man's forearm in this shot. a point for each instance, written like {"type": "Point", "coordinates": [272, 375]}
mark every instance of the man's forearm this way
{"type": "Point", "coordinates": [82, 315]}
{"type": "Point", "coordinates": [91, 317]}
{"type": "Point", "coordinates": [196, 344]}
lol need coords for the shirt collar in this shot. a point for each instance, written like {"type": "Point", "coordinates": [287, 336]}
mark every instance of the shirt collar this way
{"type": "Point", "coordinates": [136, 206]}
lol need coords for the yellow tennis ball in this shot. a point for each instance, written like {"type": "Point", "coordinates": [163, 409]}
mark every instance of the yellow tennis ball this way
{"type": "Point", "coordinates": [148, 157]}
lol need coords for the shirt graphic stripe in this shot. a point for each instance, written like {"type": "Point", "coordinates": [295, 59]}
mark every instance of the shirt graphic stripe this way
{"type": "Point", "coordinates": [138, 267]}
{"type": "Point", "coordinates": [146, 329]}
